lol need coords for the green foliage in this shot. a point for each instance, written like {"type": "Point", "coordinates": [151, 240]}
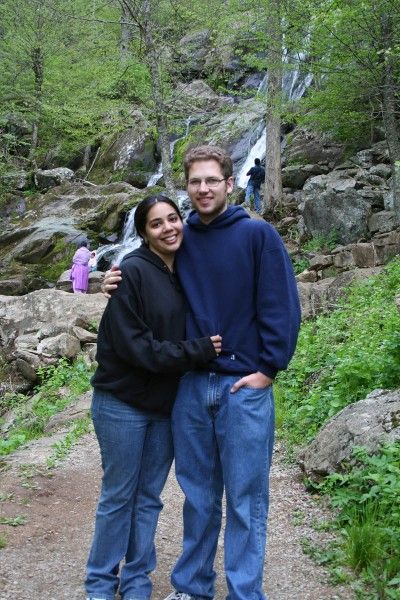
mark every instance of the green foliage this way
{"type": "Point", "coordinates": [84, 80]}
{"type": "Point", "coordinates": [300, 265]}
{"type": "Point", "coordinates": [3, 541]}
{"type": "Point", "coordinates": [62, 448]}
{"type": "Point", "coordinates": [368, 500]}
{"type": "Point", "coordinates": [342, 356]}
{"type": "Point", "coordinates": [13, 521]}
{"type": "Point", "coordinates": [321, 243]}
{"type": "Point", "coordinates": [32, 414]}
{"type": "Point", "coordinates": [350, 47]}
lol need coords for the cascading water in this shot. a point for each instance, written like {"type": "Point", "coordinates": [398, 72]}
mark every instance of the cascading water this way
{"type": "Point", "coordinates": [112, 254]}
{"type": "Point", "coordinates": [156, 176]}
{"type": "Point", "coordinates": [293, 88]}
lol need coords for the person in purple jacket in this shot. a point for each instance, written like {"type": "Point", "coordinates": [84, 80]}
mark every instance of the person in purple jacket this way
{"type": "Point", "coordinates": [238, 280]}
{"type": "Point", "coordinates": [80, 269]}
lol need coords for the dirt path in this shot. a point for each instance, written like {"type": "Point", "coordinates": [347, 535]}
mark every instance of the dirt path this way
{"type": "Point", "coordinates": [45, 558]}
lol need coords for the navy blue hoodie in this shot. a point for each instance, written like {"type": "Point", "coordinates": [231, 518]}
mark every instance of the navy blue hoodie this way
{"type": "Point", "coordinates": [239, 282]}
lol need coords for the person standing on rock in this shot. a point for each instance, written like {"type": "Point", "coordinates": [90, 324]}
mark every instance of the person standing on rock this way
{"type": "Point", "coordinates": [140, 355]}
{"type": "Point", "coordinates": [257, 176]}
{"type": "Point", "coordinates": [80, 269]}
{"type": "Point", "coordinates": [238, 279]}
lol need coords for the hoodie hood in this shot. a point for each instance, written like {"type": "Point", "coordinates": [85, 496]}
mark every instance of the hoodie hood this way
{"type": "Point", "coordinates": [144, 253]}
{"type": "Point", "coordinates": [231, 215]}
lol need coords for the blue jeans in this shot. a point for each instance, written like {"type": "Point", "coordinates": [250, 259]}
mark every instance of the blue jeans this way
{"type": "Point", "coordinates": [253, 190]}
{"type": "Point", "coordinates": [136, 452]}
{"type": "Point", "coordinates": [222, 439]}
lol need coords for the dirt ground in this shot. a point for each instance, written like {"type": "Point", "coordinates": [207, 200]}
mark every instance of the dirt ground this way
{"type": "Point", "coordinates": [44, 559]}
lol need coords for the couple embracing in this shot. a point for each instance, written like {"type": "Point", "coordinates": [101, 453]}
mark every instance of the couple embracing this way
{"type": "Point", "coordinates": [203, 318]}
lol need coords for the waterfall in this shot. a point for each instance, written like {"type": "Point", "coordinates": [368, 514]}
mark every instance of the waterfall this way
{"type": "Point", "coordinates": [256, 151]}
{"type": "Point", "coordinates": [114, 253]}
{"type": "Point", "coordinates": [156, 176]}
{"type": "Point", "coordinates": [293, 88]}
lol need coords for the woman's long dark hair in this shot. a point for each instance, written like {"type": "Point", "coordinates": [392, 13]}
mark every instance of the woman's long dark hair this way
{"type": "Point", "coordinates": [143, 208]}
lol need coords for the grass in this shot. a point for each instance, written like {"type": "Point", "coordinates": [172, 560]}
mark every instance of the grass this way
{"type": "Point", "coordinates": [59, 385]}
{"type": "Point", "coordinates": [13, 521]}
{"type": "Point", "coordinates": [340, 358]}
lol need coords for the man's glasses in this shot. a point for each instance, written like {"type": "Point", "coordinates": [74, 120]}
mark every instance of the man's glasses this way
{"type": "Point", "coordinates": [211, 182]}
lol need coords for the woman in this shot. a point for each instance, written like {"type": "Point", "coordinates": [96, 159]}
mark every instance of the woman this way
{"type": "Point", "coordinates": [140, 358]}
{"type": "Point", "coordinates": [80, 270]}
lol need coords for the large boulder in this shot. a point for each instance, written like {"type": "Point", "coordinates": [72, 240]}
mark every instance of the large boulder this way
{"type": "Point", "coordinates": [132, 152]}
{"type": "Point", "coordinates": [345, 212]}
{"type": "Point", "coordinates": [368, 423]}
{"type": "Point", "coordinates": [45, 179]}
{"type": "Point", "coordinates": [306, 147]}
{"type": "Point", "coordinates": [40, 327]}
{"type": "Point", "coordinates": [29, 313]}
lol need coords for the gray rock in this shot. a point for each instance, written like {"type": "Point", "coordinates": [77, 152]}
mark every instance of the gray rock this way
{"type": "Point", "coordinates": [37, 309]}
{"type": "Point", "coordinates": [345, 213]}
{"type": "Point", "coordinates": [76, 410]}
{"type": "Point", "coordinates": [368, 423]}
{"type": "Point", "coordinates": [382, 221]}
{"type": "Point", "coordinates": [382, 170]}
{"type": "Point", "coordinates": [306, 277]}
{"type": "Point", "coordinates": [307, 147]}
{"type": "Point", "coordinates": [323, 295]}
{"type": "Point", "coordinates": [83, 335]}
{"type": "Point", "coordinates": [294, 177]}
{"type": "Point", "coordinates": [63, 344]}
{"type": "Point", "coordinates": [321, 261]}
{"type": "Point", "coordinates": [52, 177]}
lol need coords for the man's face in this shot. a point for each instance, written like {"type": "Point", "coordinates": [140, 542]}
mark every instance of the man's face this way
{"type": "Point", "coordinates": [209, 200]}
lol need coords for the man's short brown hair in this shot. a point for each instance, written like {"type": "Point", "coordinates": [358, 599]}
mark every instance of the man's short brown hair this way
{"type": "Point", "coordinates": [208, 153]}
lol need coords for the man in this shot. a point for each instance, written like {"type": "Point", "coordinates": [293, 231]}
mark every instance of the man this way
{"type": "Point", "coordinates": [257, 176]}
{"type": "Point", "coordinates": [238, 281]}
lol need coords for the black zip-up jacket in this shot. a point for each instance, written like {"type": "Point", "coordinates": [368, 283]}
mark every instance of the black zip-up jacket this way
{"type": "Point", "coordinates": [140, 352]}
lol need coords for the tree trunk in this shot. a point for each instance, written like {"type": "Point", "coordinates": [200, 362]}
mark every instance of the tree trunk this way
{"type": "Point", "coordinates": [392, 129]}
{"type": "Point", "coordinates": [38, 70]}
{"type": "Point", "coordinates": [273, 173]}
{"type": "Point", "coordinates": [152, 59]}
{"type": "Point", "coordinates": [126, 35]}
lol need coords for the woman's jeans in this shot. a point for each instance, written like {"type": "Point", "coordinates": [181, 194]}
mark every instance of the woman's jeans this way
{"type": "Point", "coordinates": [136, 453]}
{"type": "Point", "coordinates": [222, 440]}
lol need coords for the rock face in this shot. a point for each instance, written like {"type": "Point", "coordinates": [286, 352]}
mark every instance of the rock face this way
{"type": "Point", "coordinates": [367, 423]}
{"type": "Point", "coordinates": [40, 327]}
{"type": "Point", "coordinates": [131, 152]}
{"type": "Point", "coordinates": [52, 177]}
{"type": "Point", "coordinates": [351, 200]}
{"type": "Point", "coordinates": [322, 296]}
{"type": "Point", "coordinates": [38, 247]}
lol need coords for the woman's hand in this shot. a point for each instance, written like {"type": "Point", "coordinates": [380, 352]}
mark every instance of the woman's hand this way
{"type": "Point", "coordinates": [217, 343]}
{"type": "Point", "coordinates": [111, 280]}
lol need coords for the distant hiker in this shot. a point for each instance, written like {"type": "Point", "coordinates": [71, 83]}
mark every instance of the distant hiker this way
{"type": "Point", "coordinates": [257, 176]}
{"type": "Point", "coordinates": [80, 269]}
{"type": "Point", "coordinates": [92, 262]}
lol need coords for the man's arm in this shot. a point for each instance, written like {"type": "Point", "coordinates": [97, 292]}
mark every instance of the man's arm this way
{"type": "Point", "coordinates": [278, 313]}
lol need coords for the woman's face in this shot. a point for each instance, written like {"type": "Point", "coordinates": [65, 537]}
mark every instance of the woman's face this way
{"type": "Point", "coordinates": [164, 230]}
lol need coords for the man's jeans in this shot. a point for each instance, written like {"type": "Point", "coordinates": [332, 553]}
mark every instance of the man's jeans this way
{"type": "Point", "coordinates": [253, 190]}
{"type": "Point", "coordinates": [222, 438]}
{"type": "Point", "coordinates": [136, 452]}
